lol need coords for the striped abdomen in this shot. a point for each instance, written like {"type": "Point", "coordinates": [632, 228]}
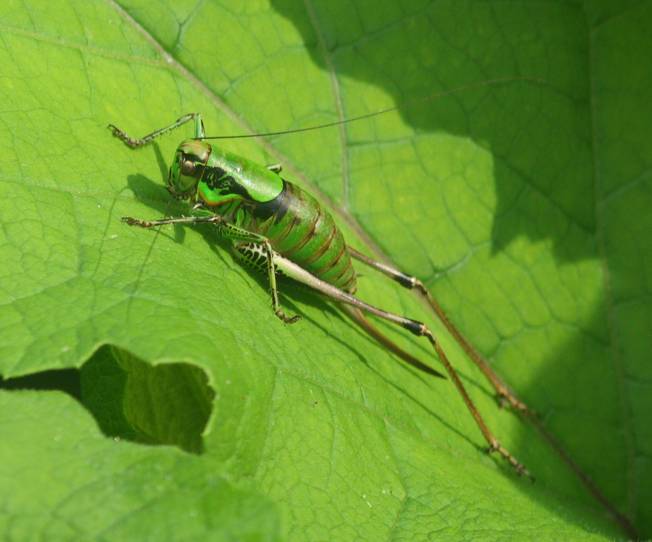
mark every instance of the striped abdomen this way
{"type": "Point", "coordinates": [302, 231]}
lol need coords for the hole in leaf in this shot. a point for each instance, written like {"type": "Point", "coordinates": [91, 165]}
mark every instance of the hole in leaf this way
{"type": "Point", "coordinates": [133, 400]}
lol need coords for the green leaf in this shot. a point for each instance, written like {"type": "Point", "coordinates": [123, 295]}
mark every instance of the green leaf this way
{"type": "Point", "coordinates": [62, 480]}
{"type": "Point", "coordinates": [523, 205]}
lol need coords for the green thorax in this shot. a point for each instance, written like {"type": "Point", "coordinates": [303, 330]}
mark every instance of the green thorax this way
{"type": "Point", "coordinates": [226, 177]}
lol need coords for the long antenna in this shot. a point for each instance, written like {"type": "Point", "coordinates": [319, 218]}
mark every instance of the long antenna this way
{"type": "Point", "coordinates": [433, 96]}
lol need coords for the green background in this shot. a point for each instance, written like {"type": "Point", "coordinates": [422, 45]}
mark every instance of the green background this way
{"type": "Point", "coordinates": [526, 207]}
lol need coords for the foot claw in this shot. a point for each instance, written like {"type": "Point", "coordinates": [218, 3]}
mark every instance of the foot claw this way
{"type": "Point", "coordinates": [495, 446]}
{"type": "Point", "coordinates": [122, 136]}
{"type": "Point", "coordinates": [117, 132]}
{"type": "Point", "coordinates": [287, 319]}
{"type": "Point", "coordinates": [131, 221]}
{"type": "Point", "coordinates": [137, 222]}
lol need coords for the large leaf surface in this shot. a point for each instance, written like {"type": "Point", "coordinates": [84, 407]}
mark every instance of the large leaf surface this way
{"type": "Point", "coordinates": [525, 207]}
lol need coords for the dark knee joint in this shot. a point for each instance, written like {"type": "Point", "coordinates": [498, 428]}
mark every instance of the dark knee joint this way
{"type": "Point", "coordinates": [406, 280]}
{"type": "Point", "coordinates": [415, 327]}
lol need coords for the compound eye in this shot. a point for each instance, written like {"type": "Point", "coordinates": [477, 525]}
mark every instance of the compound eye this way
{"type": "Point", "coordinates": [188, 167]}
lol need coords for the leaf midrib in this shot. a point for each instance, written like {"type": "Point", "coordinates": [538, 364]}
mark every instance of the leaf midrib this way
{"type": "Point", "coordinates": [83, 47]}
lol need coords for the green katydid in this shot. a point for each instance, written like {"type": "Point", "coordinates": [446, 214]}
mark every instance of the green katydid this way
{"type": "Point", "coordinates": [276, 227]}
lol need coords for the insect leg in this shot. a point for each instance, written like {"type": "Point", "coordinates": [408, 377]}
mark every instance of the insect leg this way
{"type": "Point", "coordinates": [135, 142]}
{"type": "Point", "coordinates": [233, 233]}
{"type": "Point", "coordinates": [505, 395]}
{"type": "Point", "coordinates": [359, 318]}
{"type": "Point", "coordinates": [296, 272]}
{"type": "Point", "coordinates": [248, 242]}
{"type": "Point", "coordinates": [276, 168]}
{"type": "Point", "coordinates": [212, 219]}
{"type": "Point", "coordinates": [259, 255]}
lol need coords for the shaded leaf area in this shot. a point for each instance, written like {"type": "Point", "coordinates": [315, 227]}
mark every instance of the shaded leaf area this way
{"type": "Point", "coordinates": [492, 195]}
{"type": "Point", "coordinates": [166, 404]}
{"type": "Point", "coordinates": [131, 400]}
{"type": "Point", "coordinates": [65, 380]}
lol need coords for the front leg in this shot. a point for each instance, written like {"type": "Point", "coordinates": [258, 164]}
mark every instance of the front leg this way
{"type": "Point", "coordinates": [136, 142]}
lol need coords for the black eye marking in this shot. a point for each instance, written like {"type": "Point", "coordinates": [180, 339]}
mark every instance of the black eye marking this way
{"type": "Point", "coordinates": [219, 180]}
{"type": "Point", "coordinates": [227, 185]}
{"type": "Point", "coordinates": [215, 178]}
